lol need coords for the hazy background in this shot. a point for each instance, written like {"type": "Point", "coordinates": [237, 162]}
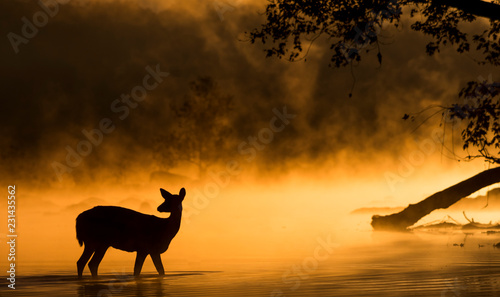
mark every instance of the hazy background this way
{"type": "Point", "coordinates": [339, 152]}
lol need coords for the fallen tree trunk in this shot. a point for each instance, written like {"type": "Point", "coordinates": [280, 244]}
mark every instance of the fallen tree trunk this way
{"type": "Point", "coordinates": [444, 199]}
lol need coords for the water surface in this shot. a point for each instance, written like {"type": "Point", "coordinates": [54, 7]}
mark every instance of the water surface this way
{"type": "Point", "coordinates": [420, 264]}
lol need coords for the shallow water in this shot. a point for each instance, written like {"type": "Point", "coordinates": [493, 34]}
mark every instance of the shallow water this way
{"type": "Point", "coordinates": [420, 264]}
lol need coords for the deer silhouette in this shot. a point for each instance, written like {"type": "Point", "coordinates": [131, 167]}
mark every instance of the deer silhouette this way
{"type": "Point", "coordinates": [124, 229]}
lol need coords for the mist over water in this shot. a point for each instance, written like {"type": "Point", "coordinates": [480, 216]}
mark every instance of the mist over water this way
{"type": "Point", "coordinates": [275, 239]}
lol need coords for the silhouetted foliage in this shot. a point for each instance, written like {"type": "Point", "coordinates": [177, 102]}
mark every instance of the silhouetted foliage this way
{"type": "Point", "coordinates": [351, 25]}
{"type": "Point", "coordinates": [203, 127]}
{"type": "Point", "coordinates": [481, 111]}
{"type": "Point", "coordinates": [353, 28]}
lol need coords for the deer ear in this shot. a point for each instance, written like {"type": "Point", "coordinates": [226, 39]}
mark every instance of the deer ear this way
{"type": "Point", "coordinates": [165, 194]}
{"type": "Point", "coordinates": [182, 193]}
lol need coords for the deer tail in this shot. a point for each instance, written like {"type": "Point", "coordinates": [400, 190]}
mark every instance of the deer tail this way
{"type": "Point", "coordinates": [79, 229]}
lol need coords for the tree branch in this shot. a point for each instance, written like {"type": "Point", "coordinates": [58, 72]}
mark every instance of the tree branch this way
{"type": "Point", "coordinates": [444, 199]}
{"type": "Point", "coordinates": [476, 7]}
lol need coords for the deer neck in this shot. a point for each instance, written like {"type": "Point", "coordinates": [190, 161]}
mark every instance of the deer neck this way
{"type": "Point", "coordinates": [174, 221]}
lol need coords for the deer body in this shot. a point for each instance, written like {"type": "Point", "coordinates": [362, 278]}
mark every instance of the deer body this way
{"type": "Point", "coordinates": [110, 226]}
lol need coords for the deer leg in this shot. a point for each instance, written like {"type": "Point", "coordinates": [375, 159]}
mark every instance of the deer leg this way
{"type": "Point", "coordinates": [139, 261]}
{"type": "Point", "coordinates": [157, 261]}
{"type": "Point", "coordinates": [80, 264]}
{"type": "Point", "coordinates": [96, 260]}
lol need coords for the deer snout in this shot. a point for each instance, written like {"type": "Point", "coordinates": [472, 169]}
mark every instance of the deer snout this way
{"type": "Point", "coordinates": [165, 207]}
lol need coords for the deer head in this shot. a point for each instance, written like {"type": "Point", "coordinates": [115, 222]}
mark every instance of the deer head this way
{"type": "Point", "coordinates": [172, 202]}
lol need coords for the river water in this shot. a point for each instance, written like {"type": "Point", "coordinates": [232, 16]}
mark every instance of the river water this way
{"type": "Point", "coordinates": [416, 264]}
